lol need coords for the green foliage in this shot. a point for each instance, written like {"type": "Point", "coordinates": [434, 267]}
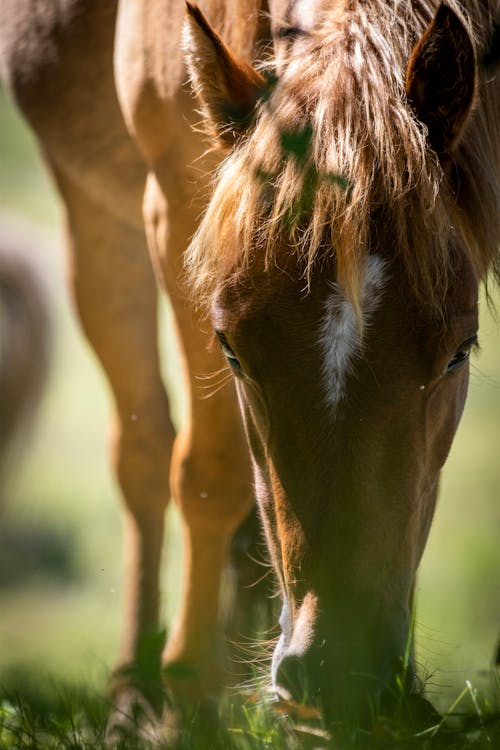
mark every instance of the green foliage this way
{"type": "Point", "coordinates": [38, 713]}
{"type": "Point", "coordinates": [297, 145]}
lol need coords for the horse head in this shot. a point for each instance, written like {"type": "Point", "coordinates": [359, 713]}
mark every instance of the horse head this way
{"type": "Point", "coordinates": [340, 265]}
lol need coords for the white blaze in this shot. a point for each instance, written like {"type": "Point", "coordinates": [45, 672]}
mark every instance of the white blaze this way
{"type": "Point", "coordinates": [339, 333]}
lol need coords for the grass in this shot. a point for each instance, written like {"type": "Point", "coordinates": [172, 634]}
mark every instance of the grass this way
{"type": "Point", "coordinates": [60, 619]}
{"type": "Point", "coordinates": [40, 713]}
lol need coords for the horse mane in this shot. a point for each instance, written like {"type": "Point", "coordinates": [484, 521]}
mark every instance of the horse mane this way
{"type": "Point", "coordinates": [336, 155]}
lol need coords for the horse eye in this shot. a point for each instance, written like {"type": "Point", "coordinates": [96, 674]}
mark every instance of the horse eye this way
{"type": "Point", "coordinates": [462, 355]}
{"type": "Point", "coordinates": [228, 352]}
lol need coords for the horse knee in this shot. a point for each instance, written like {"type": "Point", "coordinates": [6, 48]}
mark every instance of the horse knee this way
{"type": "Point", "coordinates": [213, 487]}
{"type": "Point", "coordinates": [141, 447]}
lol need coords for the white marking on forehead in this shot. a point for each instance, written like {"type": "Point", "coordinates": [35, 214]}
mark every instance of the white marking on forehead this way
{"type": "Point", "coordinates": [305, 13]}
{"type": "Point", "coordinates": [339, 333]}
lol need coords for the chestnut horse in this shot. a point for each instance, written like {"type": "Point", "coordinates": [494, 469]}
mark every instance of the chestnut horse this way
{"type": "Point", "coordinates": [352, 220]}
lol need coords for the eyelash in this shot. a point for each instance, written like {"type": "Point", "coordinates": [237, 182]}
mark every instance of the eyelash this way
{"type": "Point", "coordinates": [228, 352]}
{"type": "Point", "coordinates": [462, 355]}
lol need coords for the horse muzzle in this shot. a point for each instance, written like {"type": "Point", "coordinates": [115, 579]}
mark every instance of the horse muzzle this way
{"type": "Point", "coordinates": [351, 671]}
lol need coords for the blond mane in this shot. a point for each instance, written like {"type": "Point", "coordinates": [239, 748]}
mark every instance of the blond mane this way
{"type": "Point", "coordinates": [336, 152]}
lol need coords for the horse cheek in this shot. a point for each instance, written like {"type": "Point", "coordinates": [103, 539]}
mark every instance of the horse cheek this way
{"type": "Point", "coordinates": [444, 410]}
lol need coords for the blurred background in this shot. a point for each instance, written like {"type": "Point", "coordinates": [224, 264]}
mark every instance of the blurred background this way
{"type": "Point", "coordinates": [60, 553]}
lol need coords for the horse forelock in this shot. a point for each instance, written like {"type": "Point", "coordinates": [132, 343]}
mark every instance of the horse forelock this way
{"type": "Point", "coordinates": [336, 153]}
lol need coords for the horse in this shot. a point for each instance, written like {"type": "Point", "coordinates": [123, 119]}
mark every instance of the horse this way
{"type": "Point", "coordinates": [349, 208]}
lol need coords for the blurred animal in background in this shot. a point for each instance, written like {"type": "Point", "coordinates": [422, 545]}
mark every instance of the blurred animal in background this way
{"type": "Point", "coordinates": [24, 346]}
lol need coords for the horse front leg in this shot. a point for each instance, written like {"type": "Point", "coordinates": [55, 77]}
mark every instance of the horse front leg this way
{"type": "Point", "coordinates": [210, 473]}
{"type": "Point", "coordinates": [116, 298]}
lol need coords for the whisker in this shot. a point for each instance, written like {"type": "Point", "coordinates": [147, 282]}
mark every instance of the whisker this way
{"type": "Point", "coordinates": [210, 375]}
{"type": "Point", "coordinates": [208, 386]}
{"type": "Point", "coordinates": [483, 378]}
{"type": "Point", "coordinates": [216, 390]}
{"type": "Point", "coordinates": [259, 580]}
{"type": "Point", "coordinates": [262, 563]}
{"type": "Point", "coordinates": [257, 654]}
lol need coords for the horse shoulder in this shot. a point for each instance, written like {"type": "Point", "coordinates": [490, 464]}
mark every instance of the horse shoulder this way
{"type": "Point", "coordinates": [148, 69]}
{"type": "Point", "coordinates": [57, 61]}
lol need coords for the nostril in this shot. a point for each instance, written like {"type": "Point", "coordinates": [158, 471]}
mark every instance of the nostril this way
{"type": "Point", "coordinates": [290, 679]}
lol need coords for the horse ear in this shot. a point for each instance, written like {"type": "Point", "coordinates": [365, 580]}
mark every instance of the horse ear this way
{"type": "Point", "coordinates": [228, 87]}
{"type": "Point", "coordinates": [441, 79]}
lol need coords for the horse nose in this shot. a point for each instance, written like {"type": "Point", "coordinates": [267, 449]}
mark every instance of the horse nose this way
{"type": "Point", "coordinates": [342, 689]}
{"type": "Point", "coordinates": [291, 679]}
